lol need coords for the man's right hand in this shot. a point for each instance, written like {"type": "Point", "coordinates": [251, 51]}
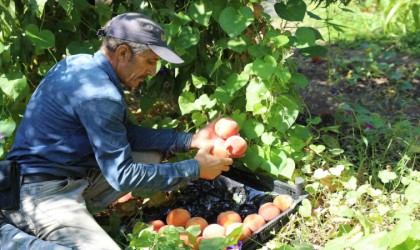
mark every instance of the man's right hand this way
{"type": "Point", "coordinates": [211, 166]}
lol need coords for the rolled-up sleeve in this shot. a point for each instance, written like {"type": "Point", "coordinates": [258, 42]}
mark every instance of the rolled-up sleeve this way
{"type": "Point", "coordinates": [103, 120]}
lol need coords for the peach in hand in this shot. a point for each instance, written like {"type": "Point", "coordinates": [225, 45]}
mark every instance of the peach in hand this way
{"type": "Point", "coordinates": [226, 127]}
{"type": "Point", "coordinates": [235, 145]}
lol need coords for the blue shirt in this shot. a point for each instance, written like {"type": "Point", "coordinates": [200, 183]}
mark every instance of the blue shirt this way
{"type": "Point", "coordinates": [77, 119]}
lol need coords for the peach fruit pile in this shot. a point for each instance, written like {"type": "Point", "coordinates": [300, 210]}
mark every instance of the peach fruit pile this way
{"type": "Point", "coordinates": [229, 143]}
{"type": "Point", "coordinates": [227, 221]}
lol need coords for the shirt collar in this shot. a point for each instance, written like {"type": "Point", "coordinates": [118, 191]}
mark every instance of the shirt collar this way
{"type": "Point", "coordinates": [104, 64]}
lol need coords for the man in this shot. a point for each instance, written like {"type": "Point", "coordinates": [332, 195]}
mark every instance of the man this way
{"type": "Point", "coordinates": [75, 144]}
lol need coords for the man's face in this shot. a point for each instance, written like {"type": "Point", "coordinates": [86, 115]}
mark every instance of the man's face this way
{"type": "Point", "coordinates": [136, 68]}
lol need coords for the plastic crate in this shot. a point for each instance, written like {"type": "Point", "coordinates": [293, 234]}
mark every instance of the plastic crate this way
{"type": "Point", "coordinates": [264, 183]}
{"type": "Point", "coordinates": [236, 179]}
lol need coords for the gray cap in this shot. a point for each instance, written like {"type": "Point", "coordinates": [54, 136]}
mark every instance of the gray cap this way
{"type": "Point", "coordinates": [139, 28]}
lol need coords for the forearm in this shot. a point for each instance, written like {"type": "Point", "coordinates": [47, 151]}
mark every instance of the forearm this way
{"type": "Point", "coordinates": [153, 177]}
{"type": "Point", "coordinates": [163, 140]}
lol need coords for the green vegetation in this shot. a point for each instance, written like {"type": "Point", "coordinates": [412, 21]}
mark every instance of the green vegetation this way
{"type": "Point", "coordinates": [359, 157]}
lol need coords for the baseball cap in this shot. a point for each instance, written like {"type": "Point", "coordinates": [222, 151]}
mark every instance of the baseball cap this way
{"type": "Point", "coordinates": [136, 27]}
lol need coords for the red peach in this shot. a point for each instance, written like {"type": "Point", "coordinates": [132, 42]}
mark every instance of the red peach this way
{"type": "Point", "coordinates": [157, 224]}
{"type": "Point", "coordinates": [283, 201]}
{"type": "Point", "coordinates": [178, 217]}
{"type": "Point", "coordinates": [219, 149]}
{"type": "Point", "coordinates": [236, 145]}
{"type": "Point", "coordinates": [226, 127]}
{"type": "Point", "coordinates": [254, 222]}
{"type": "Point", "coordinates": [197, 221]}
{"type": "Point", "coordinates": [228, 217]}
{"type": "Point", "coordinates": [269, 211]}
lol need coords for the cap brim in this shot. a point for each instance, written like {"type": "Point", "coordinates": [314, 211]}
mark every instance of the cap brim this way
{"type": "Point", "coordinates": [166, 54]}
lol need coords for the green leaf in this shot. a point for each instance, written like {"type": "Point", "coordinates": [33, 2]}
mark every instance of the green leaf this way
{"type": "Point", "coordinates": [187, 38]}
{"type": "Point", "coordinates": [199, 81]}
{"type": "Point", "coordinates": [213, 243]}
{"type": "Point", "coordinates": [318, 149]}
{"type": "Point", "coordinates": [238, 44]}
{"type": "Point", "coordinates": [253, 129]}
{"type": "Point", "coordinates": [387, 176]}
{"type": "Point", "coordinates": [400, 232]}
{"type": "Point", "coordinates": [294, 10]}
{"type": "Point", "coordinates": [305, 210]}
{"type": "Point", "coordinates": [256, 93]}
{"type": "Point", "coordinates": [254, 157]}
{"type": "Point", "coordinates": [14, 85]}
{"type": "Point", "coordinates": [265, 68]}
{"type": "Point", "coordinates": [377, 241]}
{"type": "Point", "coordinates": [412, 192]}
{"type": "Point", "coordinates": [313, 51]}
{"type": "Point", "coordinates": [299, 79]}
{"type": "Point", "coordinates": [288, 169]}
{"type": "Point", "coordinates": [42, 39]}
{"type": "Point", "coordinates": [187, 103]}
{"type": "Point", "coordinates": [280, 40]}
{"type": "Point", "coordinates": [305, 37]}
{"type": "Point", "coordinates": [234, 21]}
{"type": "Point", "coordinates": [7, 127]}
{"type": "Point", "coordinates": [198, 118]}
{"type": "Point", "coordinates": [79, 47]}
{"type": "Point", "coordinates": [284, 113]}
{"type": "Point", "coordinates": [200, 12]}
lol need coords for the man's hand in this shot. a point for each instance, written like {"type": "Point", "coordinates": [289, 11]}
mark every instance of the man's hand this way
{"type": "Point", "coordinates": [211, 166]}
{"type": "Point", "coordinates": [205, 137]}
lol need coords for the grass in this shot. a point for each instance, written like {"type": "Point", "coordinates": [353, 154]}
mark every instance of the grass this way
{"type": "Point", "coordinates": [362, 196]}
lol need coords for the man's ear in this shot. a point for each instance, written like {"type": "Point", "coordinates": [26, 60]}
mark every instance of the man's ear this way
{"type": "Point", "coordinates": [123, 53]}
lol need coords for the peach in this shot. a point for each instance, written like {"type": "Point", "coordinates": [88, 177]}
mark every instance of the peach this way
{"type": "Point", "coordinates": [178, 217]}
{"type": "Point", "coordinates": [200, 221]}
{"type": "Point", "coordinates": [228, 217]}
{"type": "Point", "coordinates": [162, 229]}
{"type": "Point", "coordinates": [246, 232]}
{"type": "Point", "coordinates": [213, 230]}
{"type": "Point", "coordinates": [226, 127]}
{"type": "Point", "coordinates": [157, 224]}
{"type": "Point", "coordinates": [235, 145]}
{"type": "Point", "coordinates": [269, 211]}
{"type": "Point", "coordinates": [254, 222]}
{"type": "Point", "coordinates": [283, 201]}
{"type": "Point", "coordinates": [219, 149]}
